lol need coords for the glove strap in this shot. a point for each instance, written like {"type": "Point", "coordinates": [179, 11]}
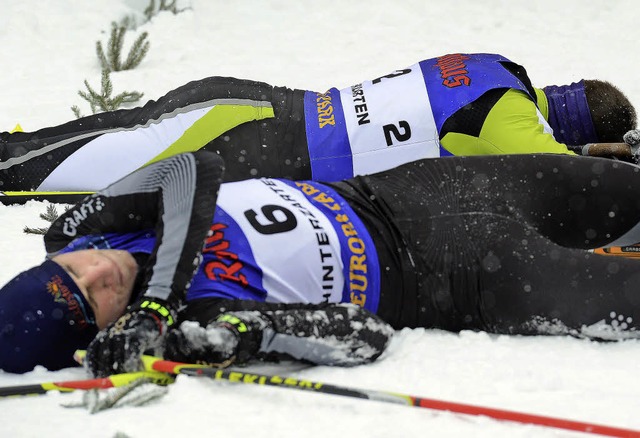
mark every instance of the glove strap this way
{"type": "Point", "coordinates": [163, 313]}
{"type": "Point", "coordinates": [248, 327]}
{"type": "Point", "coordinates": [232, 322]}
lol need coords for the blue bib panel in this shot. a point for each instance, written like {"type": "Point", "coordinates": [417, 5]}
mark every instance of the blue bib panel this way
{"type": "Point", "coordinates": [396, 118]}
{"type": "Point", "coordinates": [454, 81]}
{"type": "Point", "coordinates": [329, 148]}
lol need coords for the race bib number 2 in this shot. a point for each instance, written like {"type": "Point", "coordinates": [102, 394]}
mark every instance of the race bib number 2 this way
{"type": "Point", "coordinates": [389, 121]}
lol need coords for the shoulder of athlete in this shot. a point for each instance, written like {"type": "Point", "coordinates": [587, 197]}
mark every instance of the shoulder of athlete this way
{"type": "Point", "coordinates": [516, 125]}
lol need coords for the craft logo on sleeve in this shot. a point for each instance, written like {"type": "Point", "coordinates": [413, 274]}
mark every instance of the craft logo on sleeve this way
{"type": "Point", "coordinates": [79, 214]}
{"type": "Point", "coordinates": [453, 70]}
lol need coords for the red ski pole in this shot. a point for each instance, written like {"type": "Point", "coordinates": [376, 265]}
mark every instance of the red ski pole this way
{"type": "Point", "coordinates": [156, 364]}
{"type": "Point", "coordinates": [73, 385]}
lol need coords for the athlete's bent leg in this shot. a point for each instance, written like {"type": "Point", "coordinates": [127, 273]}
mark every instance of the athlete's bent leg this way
{"type": "Point", "coordinates": [89, 153]}
{"type": "Point", "coordinates": [527, 284]}
{"type": "Point", "coordinates": [480, 228]}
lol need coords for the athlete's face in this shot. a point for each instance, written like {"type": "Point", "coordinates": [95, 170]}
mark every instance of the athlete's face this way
{"type": "Point", "coordinates": [105, 277]}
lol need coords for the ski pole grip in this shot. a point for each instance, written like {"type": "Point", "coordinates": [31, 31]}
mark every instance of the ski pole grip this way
{"type": "Point", "coordinates": [618, 150]}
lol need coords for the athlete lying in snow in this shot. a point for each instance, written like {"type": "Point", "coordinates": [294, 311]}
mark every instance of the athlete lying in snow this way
{"type": "Point", "coordinates": [458, 104]}
{"type": "Point", "coordinates": [325, 271]}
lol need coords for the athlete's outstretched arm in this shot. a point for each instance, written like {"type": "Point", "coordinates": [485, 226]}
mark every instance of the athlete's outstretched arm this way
{"type": "Point", "coordinates": [221, 332]}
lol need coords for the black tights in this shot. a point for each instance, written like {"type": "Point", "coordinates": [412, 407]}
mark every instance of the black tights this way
{"type": "Point", "coordinates": [499, 243]}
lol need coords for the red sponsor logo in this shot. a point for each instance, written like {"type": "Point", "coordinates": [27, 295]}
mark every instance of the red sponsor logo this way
{"type": "Point", "coordinates": [227, 266]}
{"type": "Point", "coordinates": [453, 70]}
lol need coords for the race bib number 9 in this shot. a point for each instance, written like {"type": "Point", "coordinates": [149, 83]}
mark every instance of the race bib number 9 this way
{"type": "Point", "coordinates": [284, 247]}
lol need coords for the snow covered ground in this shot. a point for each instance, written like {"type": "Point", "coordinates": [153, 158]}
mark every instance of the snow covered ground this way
{"type": "Point", "coordinates": [48, 49]}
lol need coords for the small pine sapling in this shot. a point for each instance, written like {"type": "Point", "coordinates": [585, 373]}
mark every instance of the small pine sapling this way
{"type": "Point", "coordinates": [103, 101]}
{"type": "Point", "coordinates": [111, 61]}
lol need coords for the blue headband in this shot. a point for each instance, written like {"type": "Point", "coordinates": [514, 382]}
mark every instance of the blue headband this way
{"type": "Point", "coordinates": [569, 114]}
{"type": "Point", "coordinates": [44, 318]}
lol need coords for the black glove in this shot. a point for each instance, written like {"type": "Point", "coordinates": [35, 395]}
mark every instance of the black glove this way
{"type": "Point", "coordinates": [632, 137]}
{"type": "Point", "coordinates": [234, 337]}
{"type": "Point", "coordinates": [119, 347]}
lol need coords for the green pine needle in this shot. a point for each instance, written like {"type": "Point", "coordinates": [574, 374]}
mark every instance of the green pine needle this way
{"type": "Point", "coordinates": [50, 215]}
{"type": "Point", "coordinates": [103, 100]}
{"type": "Point", "coordinates": [112, 59]}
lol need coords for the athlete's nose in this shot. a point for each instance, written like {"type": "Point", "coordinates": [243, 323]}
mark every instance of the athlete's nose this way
{"type": "Point", "coordinates": [98, 273]}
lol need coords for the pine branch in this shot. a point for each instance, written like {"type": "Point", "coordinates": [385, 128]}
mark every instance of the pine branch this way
{"type": "Point", "coordinates": [104, 63]}
{"type": "Point", "coordinates": [129, 22]}
{"type": "Point", "coordinates": [168, 7]}
{"type": "Point", "coordinates": [103, 101]}
{"type": "Point", "coordinates": [165, 5]}
{"type": "Point", "coordinates": [111, 61]}
{"type": "Point", "coordinates": [39, 231]}
{"type": "Point", "coordinates": [50, 215]}
{"type": "Point", "coordinates": [115, 46]}
{"type": "Point", "coordinates": [90, 96]}
{"type": "Point", "coordinates": [76, 111]}
{"type": "Point", "coordinates": [150, 11]}
{"type": "Point", "coordinates": [138, 51]}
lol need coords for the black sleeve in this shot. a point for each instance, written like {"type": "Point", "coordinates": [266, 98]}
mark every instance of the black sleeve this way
{"type": "Point", "coordinates": [175, 196]}
{"type": "Point", "coordinates": [324, 334]}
